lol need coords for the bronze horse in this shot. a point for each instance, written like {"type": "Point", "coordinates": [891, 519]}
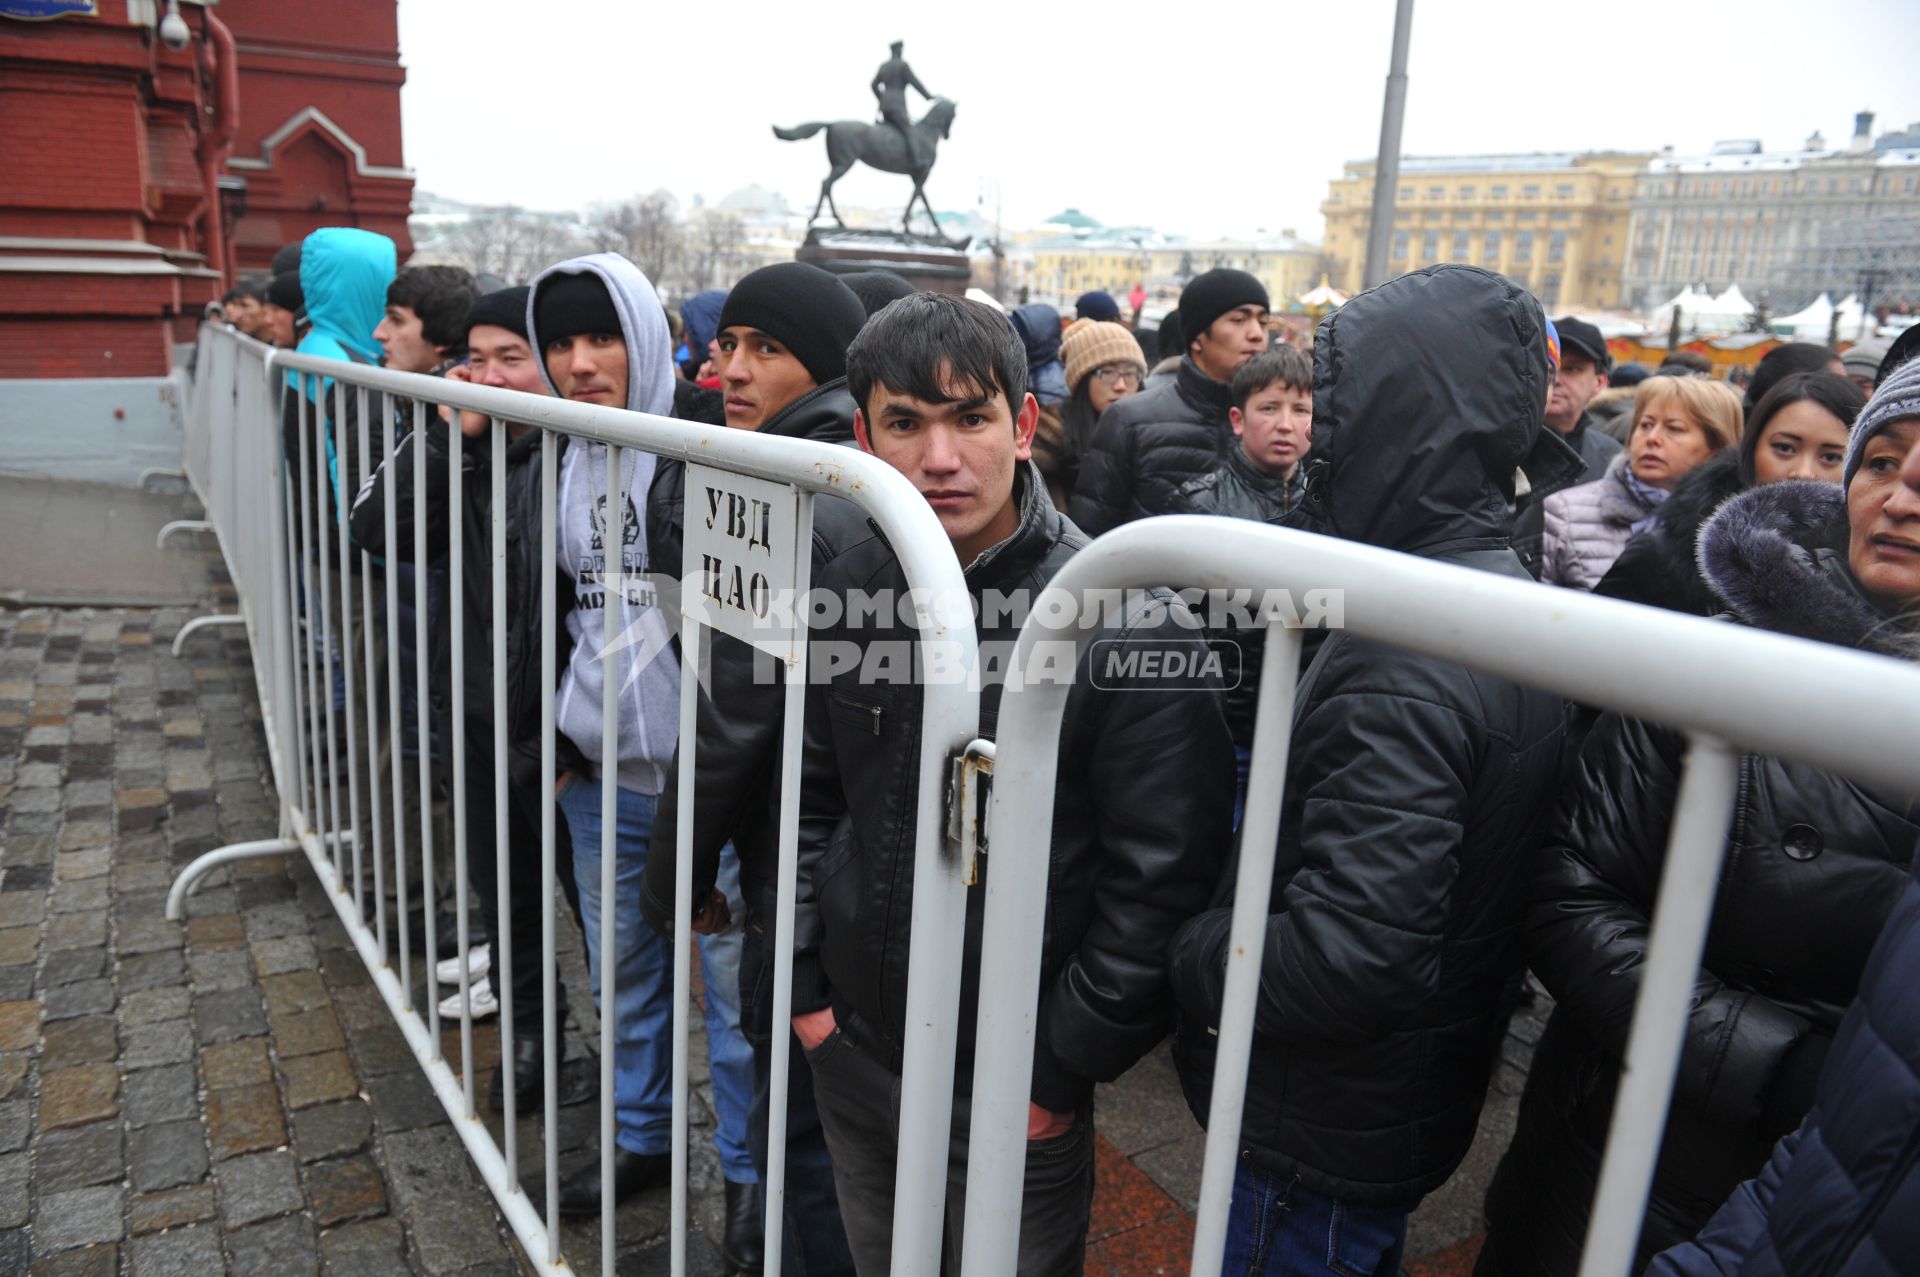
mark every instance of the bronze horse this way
{"type": "Point", "coordinates": [881, 145]}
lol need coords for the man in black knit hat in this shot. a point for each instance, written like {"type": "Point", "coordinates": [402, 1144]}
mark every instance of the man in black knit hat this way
{"type": "Point", "coordinates": [1147, 445]}
{"type": "Point", "coordinates": [784, 331]}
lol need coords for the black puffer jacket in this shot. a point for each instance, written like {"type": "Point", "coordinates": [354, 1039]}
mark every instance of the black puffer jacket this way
{"type": "Point", "coordinates": [1415, 788]}
{"type": "Point", "coordinates": [1147, 446]}
{"type": "Point", "coordinates": [1813, 865]}
{"type": "Point", "coordinates": [1661, 567]}
{"type": "Point", "coordinates": [1236, 489]}
{"type": "Point", "coordinates": [368, 526]}
{"type": "Point", "coordinates": [1141, 821]}
{"type": "Point", "coordinates": [740, 716]}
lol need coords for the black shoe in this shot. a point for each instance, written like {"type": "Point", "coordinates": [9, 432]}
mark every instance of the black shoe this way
{"type": "Point", "coordinates": [745, 1245]}
{"type": "Point", "coordinates": [529, 1078]}
{"type": "Point", "coordinates": [632, 1172]}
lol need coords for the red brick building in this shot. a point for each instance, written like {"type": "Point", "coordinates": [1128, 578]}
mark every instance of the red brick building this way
{"type": "Point", "coordinates": [138, 178]}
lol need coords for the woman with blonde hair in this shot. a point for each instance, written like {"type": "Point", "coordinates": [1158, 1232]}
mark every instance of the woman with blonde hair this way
{"type": "Point", "coordinates": [1678, 422]}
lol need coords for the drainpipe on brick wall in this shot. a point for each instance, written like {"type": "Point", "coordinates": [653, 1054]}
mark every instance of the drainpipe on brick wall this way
{"type": "Point", "coordinates": [215, 145]}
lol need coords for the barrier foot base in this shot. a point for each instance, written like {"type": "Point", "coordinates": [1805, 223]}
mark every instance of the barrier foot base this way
{"type": "Point", "coordinates": [180, 525]}
{"type": "Point", "coordinates": [201, 622]}
{"type": "Point", "coordinates": [202, 866]}
{"type": "Point", "coordinates": [158, 472]}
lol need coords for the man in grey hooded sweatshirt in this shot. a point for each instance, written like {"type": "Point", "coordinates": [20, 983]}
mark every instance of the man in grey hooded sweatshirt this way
{"type": "Point", "coordinates": [602, 338]}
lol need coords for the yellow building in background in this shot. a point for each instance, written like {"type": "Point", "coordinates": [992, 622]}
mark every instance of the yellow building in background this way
{"type": "Point", "coordinates": [1072, 253]}
{"type": "Point", "coordinates": [1554, 223]}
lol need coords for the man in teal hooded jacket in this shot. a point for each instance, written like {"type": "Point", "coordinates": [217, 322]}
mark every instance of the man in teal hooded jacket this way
{"type": "Point", "coordinates": [344, 275]}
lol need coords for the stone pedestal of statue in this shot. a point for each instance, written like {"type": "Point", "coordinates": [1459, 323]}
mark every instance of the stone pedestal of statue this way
{"type": "Point", "coordinates": [931, 265]}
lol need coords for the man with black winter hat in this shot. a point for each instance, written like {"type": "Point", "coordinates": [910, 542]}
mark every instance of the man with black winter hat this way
{"type": "Point", "coordinates": [1147, 445]}
{"type": "Point", "coordinates": [784, 330]}
{"type": "Point", "coordinates": [876, 288]}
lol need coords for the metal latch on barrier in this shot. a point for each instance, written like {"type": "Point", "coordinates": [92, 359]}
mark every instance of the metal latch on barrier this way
{"type": "Point", "coordinates": [969, 788]}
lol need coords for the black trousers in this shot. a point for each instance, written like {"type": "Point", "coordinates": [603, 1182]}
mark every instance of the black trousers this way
{"type": "Point", "coordinates": [859, 1099]}
{"type": "Point", "coordinates": [523, 876]}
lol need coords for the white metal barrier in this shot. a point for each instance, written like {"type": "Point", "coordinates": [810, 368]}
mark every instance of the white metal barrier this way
{"type": "Point", "coordinates": [1574, 645]}
{"type": "Point", "coordinates": [301, 584]}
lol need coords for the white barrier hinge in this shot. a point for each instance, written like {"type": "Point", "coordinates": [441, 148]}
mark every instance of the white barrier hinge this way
{"type": "Point", "coordinates": [969, 786]}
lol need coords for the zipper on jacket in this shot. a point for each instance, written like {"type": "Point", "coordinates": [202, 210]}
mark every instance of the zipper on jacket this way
{"type": "Point", "coordinates": [872, 712]}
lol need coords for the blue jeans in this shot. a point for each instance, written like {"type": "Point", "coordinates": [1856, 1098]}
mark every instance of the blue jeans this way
{"type": "Point", "coordinates": [1277, 1228]}
{"type": "Point", "coordinates": [643, 987]}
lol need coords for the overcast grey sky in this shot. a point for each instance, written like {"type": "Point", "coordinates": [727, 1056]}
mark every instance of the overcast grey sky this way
{"type": "Point", "coordinates": [1195, 118]}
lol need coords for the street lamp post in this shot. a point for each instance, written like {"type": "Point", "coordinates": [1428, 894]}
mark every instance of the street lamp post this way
{"type": "Point", "coordinates": [1386, 166]}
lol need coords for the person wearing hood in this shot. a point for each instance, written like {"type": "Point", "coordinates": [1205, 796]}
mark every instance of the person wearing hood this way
{"type": "Point", "coordinates": [601, 334]}
{"type": "Point", "coordinates": [1813, 865]}
{"type": "Point", "coordinates": [1149, 444]}
{"type": "Point", "coordinates": [1039, 327]}
{"type": "Point", "coordinates": [344, 274]}
{"type": "Point", "coordinates": [1678, 423]}
{"type": "Point", "coordinates": [784, 330]}
{"type": "Point", "coordinates": [1416, 790]}
{"type": "Point", "coordinates": [1142, 805]}
{"type": "Point", "coordinates": [1799, 431]}
{"type": "Point", "coordinates": [700, 316]}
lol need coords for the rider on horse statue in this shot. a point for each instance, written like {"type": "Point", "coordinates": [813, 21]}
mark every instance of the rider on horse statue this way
{"type": "Point", "coordinates": [890, 85]}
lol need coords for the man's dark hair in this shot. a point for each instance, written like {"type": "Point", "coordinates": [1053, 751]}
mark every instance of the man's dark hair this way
{"type": "Point", "coordinates": [1782, 362]}
{"type": "Point", "coordinates": [929, 344]}
{"type": "Point", "coordinates": [440, 295]}
{"type": "Point", "coordinates": [1285, 364]}
{"type": "Point", "coordinates": [1686, 363]}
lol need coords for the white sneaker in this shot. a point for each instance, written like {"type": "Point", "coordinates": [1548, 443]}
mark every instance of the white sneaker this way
{"type": "Point", "coordinates": [484, 1003]}
{"type": "Point", "coordinates": [479, 962]}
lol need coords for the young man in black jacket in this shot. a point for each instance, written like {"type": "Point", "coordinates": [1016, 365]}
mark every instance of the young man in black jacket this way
{"type": "Point", "coordinates": [783, 337]}
{"type": "Point", "coordinates": [1142, 811]}
{"type": "Point", "coordinates": [1416, 792]}
{"type": "Point", "coordinates": [1148, 444]}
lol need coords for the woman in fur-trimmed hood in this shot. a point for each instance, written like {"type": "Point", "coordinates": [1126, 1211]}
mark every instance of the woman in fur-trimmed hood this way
{"type": "Point", "coordinates": [1813, 866]}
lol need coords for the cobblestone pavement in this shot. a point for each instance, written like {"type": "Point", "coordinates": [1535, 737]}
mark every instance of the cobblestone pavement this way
{"type": "Point", "coordinates": [231, 1094]}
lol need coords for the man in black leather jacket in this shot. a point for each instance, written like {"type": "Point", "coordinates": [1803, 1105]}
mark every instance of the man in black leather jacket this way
{"type": "Point", "coordinates": [1416, 794]}
{"type": "Point", "coordinates": [783, 336]}
{"type": "Point", "coordinates": [1148, 444]}
{"type": "Point", "coordinates": [1142, 811]}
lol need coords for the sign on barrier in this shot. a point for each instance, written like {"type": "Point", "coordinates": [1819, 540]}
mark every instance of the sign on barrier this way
{"type": "Point", "coordinates": [742, 538]}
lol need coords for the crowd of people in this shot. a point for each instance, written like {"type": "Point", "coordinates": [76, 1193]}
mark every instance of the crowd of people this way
{"type": "Point", "coordinates": [1443, 829]}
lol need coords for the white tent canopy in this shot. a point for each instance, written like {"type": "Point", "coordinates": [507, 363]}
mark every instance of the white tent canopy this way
{"type": "Point", "coordinates": [1810, 324]}
{"type": "Point", "coordinates": [1733, 302]}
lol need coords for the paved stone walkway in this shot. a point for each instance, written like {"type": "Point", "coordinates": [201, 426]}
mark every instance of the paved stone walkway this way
{"type": "Point", "coordinates": [231, 1095]}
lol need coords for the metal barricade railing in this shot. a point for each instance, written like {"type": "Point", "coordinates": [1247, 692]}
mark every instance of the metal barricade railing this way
{"type": "Point", "coordinates": [331, 711]}
{"type": "Point", "coordinates": [1592, 650]}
